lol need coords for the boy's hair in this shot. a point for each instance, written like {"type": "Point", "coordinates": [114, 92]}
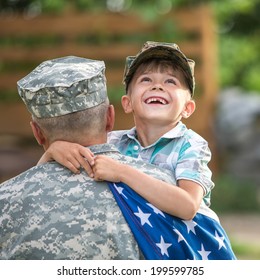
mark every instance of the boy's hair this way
{"type": "Point", "coordinates": [161, 51]}
{"type": "Point", "coordinates": [154, 64]}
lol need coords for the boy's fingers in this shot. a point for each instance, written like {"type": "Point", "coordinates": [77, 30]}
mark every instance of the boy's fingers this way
{"type": "Point", "coordinates": [72, 167]}
{"type": "Point", "coordinates": [75, 167]}
{"type": "Point", "coordinates": [90, 160]}
{"type": "Point", "coordinates": [85, 164]}
{"type": "Point", "coordinates": [88, 155]}
{"type": "Point", "coordinates": [73, 162]}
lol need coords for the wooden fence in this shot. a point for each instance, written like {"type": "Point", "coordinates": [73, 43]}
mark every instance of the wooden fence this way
{"type": "Point", "coordinates": [26, 42]}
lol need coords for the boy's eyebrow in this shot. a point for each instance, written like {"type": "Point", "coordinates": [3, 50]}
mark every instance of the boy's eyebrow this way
{"type": "Point", "coordinates": [151, 72]}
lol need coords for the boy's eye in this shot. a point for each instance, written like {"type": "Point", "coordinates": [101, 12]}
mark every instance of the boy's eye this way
{"type": "Point", "coordinates": [145, 79]}
{"type": "Point", "coordinates": [171, 81]}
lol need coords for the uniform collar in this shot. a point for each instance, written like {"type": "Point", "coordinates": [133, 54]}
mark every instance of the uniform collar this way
{"type": "Point", "coordinates": [103, 148]}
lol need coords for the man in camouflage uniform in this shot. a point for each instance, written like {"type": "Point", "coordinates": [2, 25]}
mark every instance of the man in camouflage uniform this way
{"type": "Point", "coordinates": [48, 212]}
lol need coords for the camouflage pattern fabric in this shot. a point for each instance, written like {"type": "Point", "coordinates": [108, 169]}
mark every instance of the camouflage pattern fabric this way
{"type": "Point", "coordinates": [49, 213]}
{"type": "Point", "coordinates": [164, 51]}
{"type": "Point", "coordinates": [64, 85]}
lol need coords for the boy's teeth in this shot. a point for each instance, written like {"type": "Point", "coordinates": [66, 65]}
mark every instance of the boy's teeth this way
{"type": "Point", "coordinates": [150, 100]}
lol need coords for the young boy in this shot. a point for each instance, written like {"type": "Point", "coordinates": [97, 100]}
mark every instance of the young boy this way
{"type": "Point", "coordinates": [160, 85]}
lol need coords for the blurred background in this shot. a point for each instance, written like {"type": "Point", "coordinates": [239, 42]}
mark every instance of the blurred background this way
{"type": "Point", "coordinates": [221, 36]}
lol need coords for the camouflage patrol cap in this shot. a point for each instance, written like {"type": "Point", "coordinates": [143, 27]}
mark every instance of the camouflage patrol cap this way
{"type": "Point", "coordinates": [163, 51]}
{"type": "Point", "coordinates": [64, 85]}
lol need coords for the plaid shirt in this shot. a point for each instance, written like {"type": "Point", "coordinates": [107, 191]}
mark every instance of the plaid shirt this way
{"type": "Point", "coordinates": [180, 150]}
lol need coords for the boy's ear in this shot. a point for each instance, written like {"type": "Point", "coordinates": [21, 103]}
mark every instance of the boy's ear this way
{"type": "Point", "coordinates": [38, 134]}
{"type": "Point", "coordinates": [126, 104]}
{"type": "Point", "coordinates": [190, 107]}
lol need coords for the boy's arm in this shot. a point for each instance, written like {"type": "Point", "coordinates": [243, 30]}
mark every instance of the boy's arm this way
{"type": "Point", "coordinates": [182, 201]}
{"type": "Point", "coordinates": [71, 155]}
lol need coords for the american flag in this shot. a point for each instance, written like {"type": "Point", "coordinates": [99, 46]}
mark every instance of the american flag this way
{"type": "Point", "coordinates": [161, 236]}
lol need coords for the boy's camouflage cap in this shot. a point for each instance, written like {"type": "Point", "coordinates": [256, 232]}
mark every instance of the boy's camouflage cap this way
{"type": "Point", "coordinates": [164, 51]}
{"type": "Point", "coordinates": [64, 85]}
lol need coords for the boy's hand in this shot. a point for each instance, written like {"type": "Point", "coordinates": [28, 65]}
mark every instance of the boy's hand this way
{"type": "Point", "coordinates": [106, 168]}
{"type": "Point", "coordinates": [71, 155]}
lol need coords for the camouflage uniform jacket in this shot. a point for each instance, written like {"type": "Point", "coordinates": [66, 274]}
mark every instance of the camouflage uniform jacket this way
{"type": "Point", "coordinates": [49, 213]}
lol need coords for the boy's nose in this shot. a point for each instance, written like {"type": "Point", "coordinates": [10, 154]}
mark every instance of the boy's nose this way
{"type": "Point", "coordinates": [157, 87]}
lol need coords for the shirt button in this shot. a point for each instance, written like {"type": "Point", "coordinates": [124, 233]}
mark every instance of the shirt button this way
{"type": "Point", "coordinates": [136, 148]}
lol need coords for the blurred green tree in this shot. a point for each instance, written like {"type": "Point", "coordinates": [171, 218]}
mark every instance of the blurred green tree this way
{"type": "Point", "coordinates": [238, 26]}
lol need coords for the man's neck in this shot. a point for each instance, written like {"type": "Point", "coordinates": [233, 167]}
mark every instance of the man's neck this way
{"type": "Point", "coordinates": [83, 140]}
{"type": "Point", "coordinates": [93, 143]}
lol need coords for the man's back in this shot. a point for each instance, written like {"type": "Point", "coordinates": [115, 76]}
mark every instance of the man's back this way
{"type": "Point", "coordinates": [49, 213]}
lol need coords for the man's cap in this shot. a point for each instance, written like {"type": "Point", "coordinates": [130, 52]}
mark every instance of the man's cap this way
{"type": "Point", "coordinates": [163, 51]}
{"type": "Point", "coordinates": [64, 85]}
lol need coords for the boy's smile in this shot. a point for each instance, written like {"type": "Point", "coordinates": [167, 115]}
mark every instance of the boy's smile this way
{"type": "Point", "coordinates": [156, 100]}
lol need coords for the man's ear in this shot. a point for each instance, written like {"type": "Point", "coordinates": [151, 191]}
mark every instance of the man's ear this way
{"type": "Point", "coordinates": [126, 104]}
{"type": "Point", "coordinates": [189, 109]}
{"type": "Point", "coordinates": [110, 118]}
{"type": "Point", "coordinates": [38, 134]}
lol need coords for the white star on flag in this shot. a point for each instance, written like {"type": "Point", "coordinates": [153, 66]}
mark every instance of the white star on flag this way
{"type": "Point", "coordinates": [164, 247]}
{"type": "Point", "coordinates": [204, 254]}
{"type": "Point", "coordinates": [144, 217]}
{"type": "Point", "coordinates": [180, 236]}
{"type": "Point", "coordinates": [190, 225]}
{"type": "Point", "coordinates": [156, 210]}
{"type": "Point", "coordinates": [120, 190]}
{"type": "Point", "coordinates": [220, 240]}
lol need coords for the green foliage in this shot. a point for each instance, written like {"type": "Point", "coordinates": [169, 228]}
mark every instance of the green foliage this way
{"type": "Point", "coordinates": [51, 6]}
{"type": "Point", "coordinates": [233, 194]}
{"type": "Point", "coordinates": [9, 96]}
{"type": "Point", "coordinates": [240, 62]}
{"type": "Point", "coordinates": [238, 27]}
{"type": "Point", "coordinates": [115, 94]}
{"type": "Point", "coordinates": [245, 251]}
{"type": "Point", "coordinates": [239, 41]}
{"type": "Point", "coordinates": [252, 81]}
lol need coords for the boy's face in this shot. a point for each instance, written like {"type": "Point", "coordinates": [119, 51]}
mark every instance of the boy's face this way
{"type": "Point", "coordinates": [159, 95]}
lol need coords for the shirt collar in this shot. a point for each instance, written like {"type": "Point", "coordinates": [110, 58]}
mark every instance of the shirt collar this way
{"type": "Point", "coordinates": [176, 132]}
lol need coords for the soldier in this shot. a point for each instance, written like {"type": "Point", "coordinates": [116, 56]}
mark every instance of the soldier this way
{"type": "Point", "coordinates": [47, 212]}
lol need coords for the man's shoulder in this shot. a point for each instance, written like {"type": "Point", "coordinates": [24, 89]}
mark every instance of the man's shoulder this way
{"type": "Point", "coordinates": [24, 176]}
{"type": "Point", "coordinates": [147, 168]}
{"type": "Point", "coordinates": [42, 168]}
{"type": "Point", "coordinates": [41, 175]}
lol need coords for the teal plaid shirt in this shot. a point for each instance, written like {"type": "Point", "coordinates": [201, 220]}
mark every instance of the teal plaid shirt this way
{"type": "Point", "coordinates": [180, 150]}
